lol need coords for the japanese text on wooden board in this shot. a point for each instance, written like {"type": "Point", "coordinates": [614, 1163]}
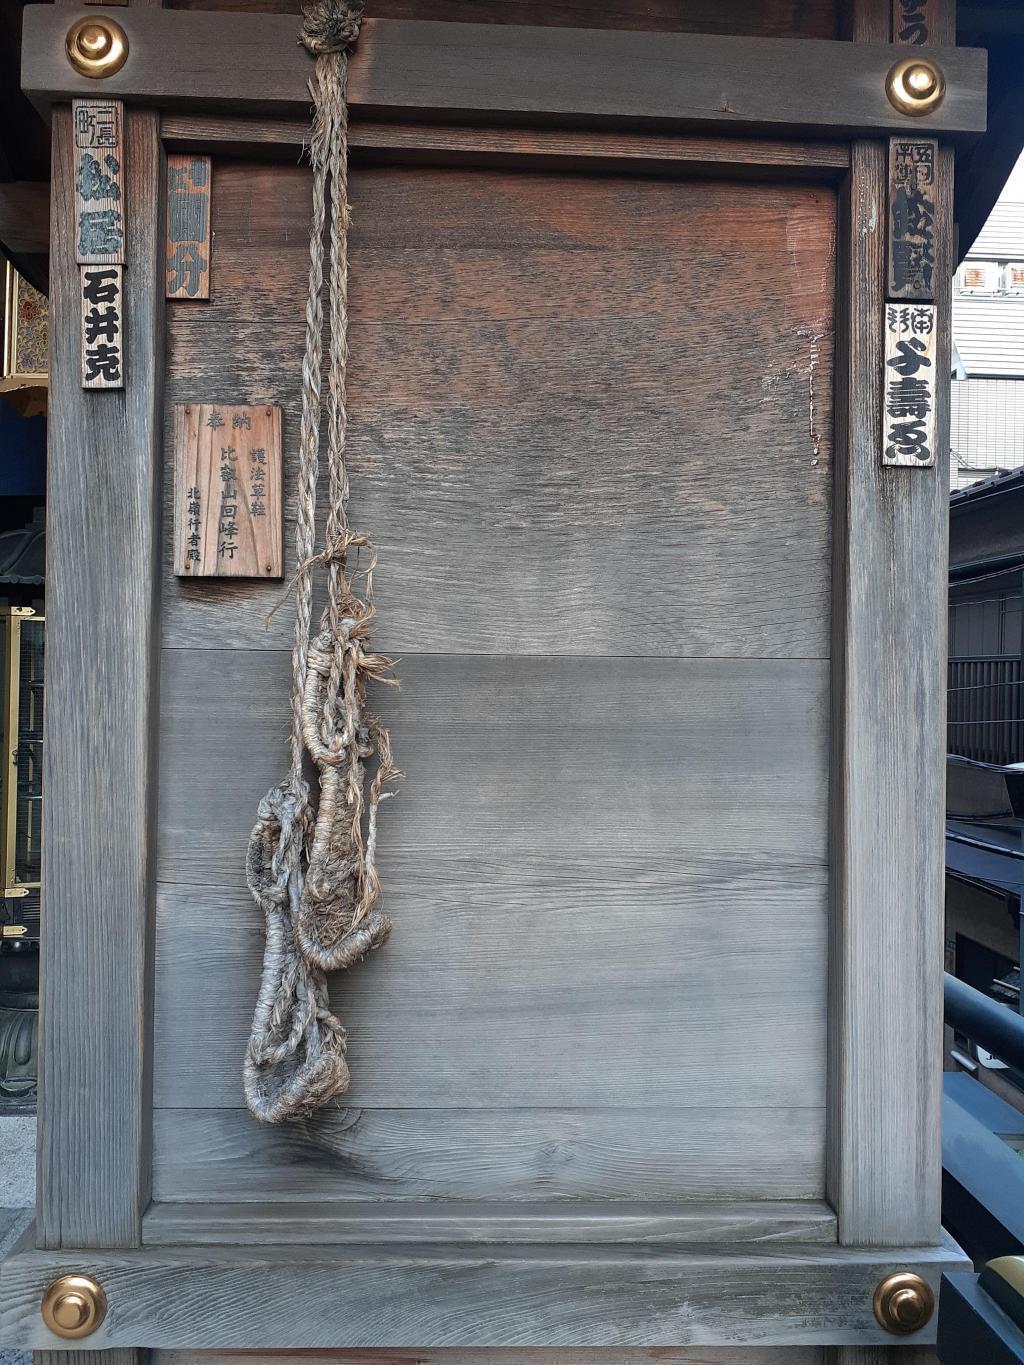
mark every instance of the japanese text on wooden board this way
{"type": "Point", "coordinates": [188, 227]}
{"type": "Point", "coordinates": [99, 203]}
{"type": "Point", "coordinates": [909, 394]}
{"type": "Point", "coordinates": [102, 334]}
{"type": "Point", "coordinates": [913, 21]}
{"type": "Point", "coordinates": [911, 245]}
{"type": "Point", "coordinates": [227, 480]}
{"type": "Point", "coordinates": [99, 227]}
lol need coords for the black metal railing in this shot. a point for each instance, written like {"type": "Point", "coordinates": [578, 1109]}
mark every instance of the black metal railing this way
{"type": "Point", "coordinates": [985, 709]}
{"type": "Point", "coordinates": [998, 1029]}
{"type": "Point", "coordinates": [981, 1316]}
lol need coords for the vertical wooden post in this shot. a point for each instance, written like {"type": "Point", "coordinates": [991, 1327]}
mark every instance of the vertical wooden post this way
{"type": "Point", "coordinates": [888, 779]}
{"type": "Point", "coordinates": [102, 634]}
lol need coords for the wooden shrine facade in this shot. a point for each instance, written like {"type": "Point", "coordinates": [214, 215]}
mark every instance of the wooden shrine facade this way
{"type": "Point", "coordinates": [653, 1058]}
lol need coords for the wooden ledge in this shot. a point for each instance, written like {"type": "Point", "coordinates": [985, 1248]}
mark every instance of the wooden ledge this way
{"type": "Point", "coordinates": [279, 1297]}
{"type": "Point", "coordinates": [706, 1222]}
{"type": "Point", "coordinates": [425, 70]}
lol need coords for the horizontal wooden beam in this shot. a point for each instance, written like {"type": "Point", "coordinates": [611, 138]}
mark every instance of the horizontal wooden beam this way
{"type": "Point", "coordinates": [273, 1297]}
{"type": "Point", "coordinates": [643, 151]}
{"type": "Point", "coordinates": [709, 1222]}
{"type": "Point", "coordinates": [423, 70]}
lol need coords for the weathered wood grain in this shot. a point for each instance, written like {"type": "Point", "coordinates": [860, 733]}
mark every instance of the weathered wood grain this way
{"type": "Point", "coordinates": [888, 709]}
{"type": "Point", "coordinates": [713, 1223]}
{"type": "Point", "coordinates": [768, 18]}
{"type": "Point", "coordinates": [520, 1356]}
{"type": "Point", "coordinates": [551, 148]}
{"type": "Point", "coordinates": [663, 1355]}
{"type": "Point", "coordinates": [100, 787]}
{"type": "Point", "coordinates": [535, 417]}
{"type": "Point", "coordinates": [500, 993]}
{"type": "Point", "coordinates": [422, 69]}
{"type": "Point", "coordinates": [720, 766]}
{"type": "Point", "coordinates": [522, 1155]}
{"type": "Point", "coordinates": [522, 1296]}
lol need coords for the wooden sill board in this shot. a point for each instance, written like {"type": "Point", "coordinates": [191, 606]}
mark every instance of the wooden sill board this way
{"type": "Point", "coordinates": [707, 1222]}
{"type": "Point", "coordinates": [278, 1297]}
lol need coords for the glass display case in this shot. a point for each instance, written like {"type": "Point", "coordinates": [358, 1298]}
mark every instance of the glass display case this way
{"type": "Point", "coordinates": [22, 638]}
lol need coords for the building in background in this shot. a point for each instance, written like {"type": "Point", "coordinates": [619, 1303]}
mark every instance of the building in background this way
{"type": "Point", "coordinates": [987, 416]}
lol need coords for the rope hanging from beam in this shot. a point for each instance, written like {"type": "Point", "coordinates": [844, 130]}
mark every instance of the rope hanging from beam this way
{"type": "Point", "coordinates": [313, 871]}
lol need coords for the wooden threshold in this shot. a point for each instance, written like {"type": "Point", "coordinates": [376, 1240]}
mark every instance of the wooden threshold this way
{"type": "Point", "coordinates": [707, 1222]}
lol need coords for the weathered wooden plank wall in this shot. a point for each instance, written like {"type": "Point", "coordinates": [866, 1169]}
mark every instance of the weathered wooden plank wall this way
{"type": "Point", "coordinates": [590, 433]}
{"type": "Point", "coordinates": [764, 18]}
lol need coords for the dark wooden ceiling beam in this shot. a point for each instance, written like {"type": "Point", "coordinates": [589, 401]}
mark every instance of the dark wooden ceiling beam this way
{"type": "Point", "coordinates": [422, 70]}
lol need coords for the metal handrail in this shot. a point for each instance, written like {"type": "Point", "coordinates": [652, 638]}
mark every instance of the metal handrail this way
{"type": "Point", "coordinates": [998, 1029]}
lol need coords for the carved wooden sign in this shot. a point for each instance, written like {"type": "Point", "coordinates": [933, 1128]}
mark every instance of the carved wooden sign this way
{"type": "Point", "coordinates": [188, 227]}
{"type": "Point", "coordinates": [911, 245]}
{"type": "Point", "coordinates": [913, 21]}
{"type": "Point", "coordinates": [102, 327]}
{"type": "Point", "coordinates": [99, 207]}
{"type": "Point", "coordinates": [227, 491]}
{"type": "Point", "coordinates": [908, 423]}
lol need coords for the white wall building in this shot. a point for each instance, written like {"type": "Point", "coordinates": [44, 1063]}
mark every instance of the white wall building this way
{"type": "Point", "coordinates": [987, 417]}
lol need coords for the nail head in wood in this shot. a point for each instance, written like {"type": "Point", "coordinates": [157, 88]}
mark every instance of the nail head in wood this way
{"type": "Point", "coordinates": [903, 1303]}
{"type": "Point", "coordinates": [73, 1306]}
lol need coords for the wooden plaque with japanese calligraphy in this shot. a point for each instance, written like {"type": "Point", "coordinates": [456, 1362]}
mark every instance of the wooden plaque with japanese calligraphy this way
{"type": "Point", "coordinates": [102, 327]}
{"type": "Point", "coordinates": [99, 206]}
{"type": "Point", "coordinates": [911, 226]}
{"type": "Point", "coordinates": [188, 227]}
{"type": "Point", "coordinates": [908, 421]}
{"type": "Point", "coordinates": [913, 21]}
{"type": "Point", "coordinates": [227, 491]}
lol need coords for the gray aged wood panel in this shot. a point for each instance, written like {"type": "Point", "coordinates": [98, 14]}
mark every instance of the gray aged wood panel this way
{"type": "Point", "coordinates": [530, 1154]}
{"type": "Point", "coordinates": [424, 69]}
{"type": "Point", "coordinates": [552, 450]}
{"type": "Point", "coordinates": [889, 709]}
{"type": "Point", "coordinates": [714, 1222]}
{"type": "Point", "coordinates": [550, 944]}
{"type": "Point", "coordinates": [663, 1355]}
{"type": "Point", "coordinates": [102, 629]}
{"type": "Point", "coordinates": [472, 1296]}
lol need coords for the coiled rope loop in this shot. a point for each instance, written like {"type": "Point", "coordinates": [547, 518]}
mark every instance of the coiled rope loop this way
{"type": "Point", "coordinates": [314, 874]}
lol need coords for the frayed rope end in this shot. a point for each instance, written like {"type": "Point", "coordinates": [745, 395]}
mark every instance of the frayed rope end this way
{"type": "Point", "coordinates": [330, 26]}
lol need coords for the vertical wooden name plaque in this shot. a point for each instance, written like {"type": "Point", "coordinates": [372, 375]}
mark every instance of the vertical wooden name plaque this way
{"type": "Point", "coordinates": [99, 206]}
{"type": "Point", "coordinates": [227, 491]}
{"type": "Point", "coordinates": [188, 227]}
{"type": "Point", "coordinates": [911, 240]}
{"type": "Point", "coordinates": [908, 423]}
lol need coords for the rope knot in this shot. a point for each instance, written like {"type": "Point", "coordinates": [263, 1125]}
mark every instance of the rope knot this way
{"type": "Point", "coordinates": [330, 26]}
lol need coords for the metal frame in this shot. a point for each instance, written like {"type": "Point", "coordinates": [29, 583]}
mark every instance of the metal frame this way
{"type": "Point", "coordinates": [885, 991]}
{"type": "Point", "coordinates": [13, 617]}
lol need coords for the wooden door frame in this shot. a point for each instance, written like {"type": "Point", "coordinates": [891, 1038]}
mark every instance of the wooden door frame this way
{"type": "Point", "coordinates": [889, 526]}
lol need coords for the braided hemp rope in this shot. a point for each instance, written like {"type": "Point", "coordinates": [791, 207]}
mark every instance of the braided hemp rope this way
{"type": "Point", "coordinates": [314, 875]}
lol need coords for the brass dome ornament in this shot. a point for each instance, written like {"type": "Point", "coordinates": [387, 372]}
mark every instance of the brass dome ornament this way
{"type": "Point", "coordinates": [915, 86]}
{"type": "Point", "coordinates": [73, 1306]}
{"type": "Point", "coordinates": [903, 1303]}
{"type": "Point", "coordinates": [96, 46]}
